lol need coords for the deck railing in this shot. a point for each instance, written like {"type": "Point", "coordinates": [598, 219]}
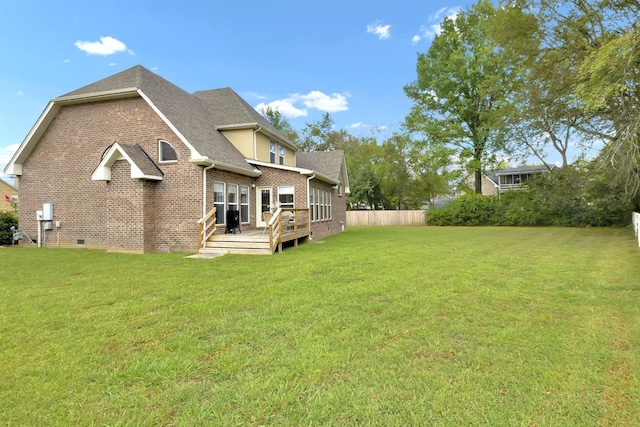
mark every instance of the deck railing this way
{"type": "Point", "coordinates": [287, 222]}
{"type": "Point", "coordinates": [207, 226]}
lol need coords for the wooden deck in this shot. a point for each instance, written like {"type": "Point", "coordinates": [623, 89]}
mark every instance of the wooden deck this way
{"type": "Point", "coordinates": [281, 229]}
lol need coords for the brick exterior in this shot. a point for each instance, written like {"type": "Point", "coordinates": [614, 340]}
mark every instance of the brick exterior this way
{"type": "Point", "coordinates": [127, 214]}
{"type": "Point", "coordinates": [160, 216]}
{"type": "Point", "coordinates": [274, 177]}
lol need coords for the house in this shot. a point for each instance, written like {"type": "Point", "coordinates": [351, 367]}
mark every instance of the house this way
{"type": "Point", "coordinates": [503, 180]}
{"type": "Point", "coordinates": [8, 196]}
{"type": "Point", "coordinates": [134, 163]}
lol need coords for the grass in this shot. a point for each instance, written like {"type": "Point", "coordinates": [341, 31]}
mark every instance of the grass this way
{"type": "Point", "coordinates": [376, 326]}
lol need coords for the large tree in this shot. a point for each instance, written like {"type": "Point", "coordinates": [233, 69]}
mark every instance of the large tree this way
{"type": "Point", "coordinates": [463, 90]}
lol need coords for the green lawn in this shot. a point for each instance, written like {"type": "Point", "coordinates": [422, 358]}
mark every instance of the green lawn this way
{"type": "Point", "coordinates": [377, 326]}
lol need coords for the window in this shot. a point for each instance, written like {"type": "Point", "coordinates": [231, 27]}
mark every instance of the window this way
{"type": "Point", "coordinates": [281, 154]}
{"type": "Point", "coordinates": [244, 203]}
{"type": "Point", "coordinates": [233, 197]}
{"type": "Point", "coordinates": [320, 204]}
{"type": "Point", "coordinates": [272, 152]}
{"type": "Point", "coordinates": [340, 189]}
{"type": "Point", "coordinates": [219, 201]}
{"type": "Point", "coordinates": [285, 197]}
{"type": "Point", "coordinates": [166, 153]}
{"type": "Point", "coordinates": [312, 203]}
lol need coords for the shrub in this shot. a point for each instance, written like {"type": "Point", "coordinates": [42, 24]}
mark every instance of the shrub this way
{"type": "Point", "coordinates": [472, 209]}
{"type": "Point", "coordinates": [7, 220]}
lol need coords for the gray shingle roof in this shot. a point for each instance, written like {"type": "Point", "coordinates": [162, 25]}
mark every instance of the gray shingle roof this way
{"type": "Point", "coordinates": [186, 112]}
{"type": "Point", "coordinates": [328, 163]}
{"type": "Point", "coordinates": [228, 109]}
{"type": "Point", "coordinates": [141, 159]}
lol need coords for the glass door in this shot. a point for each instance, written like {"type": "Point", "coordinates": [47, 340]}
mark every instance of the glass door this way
{"type": "Point", "coordinates": [263, 196]}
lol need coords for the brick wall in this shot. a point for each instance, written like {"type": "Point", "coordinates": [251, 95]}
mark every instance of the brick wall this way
{"type": "Point", "coordinates": [59, 170]}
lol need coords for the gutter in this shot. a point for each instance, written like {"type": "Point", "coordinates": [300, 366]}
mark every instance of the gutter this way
{"type": "Point", "coordinates": [255, 142]}
{"type": "Point", "coordinates": [204, 189]}
{"type": "Point", "coordinates": [309, 201]}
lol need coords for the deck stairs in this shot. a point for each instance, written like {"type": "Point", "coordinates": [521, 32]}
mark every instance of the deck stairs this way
{"type": "Point", "coordinates": [253, 242]}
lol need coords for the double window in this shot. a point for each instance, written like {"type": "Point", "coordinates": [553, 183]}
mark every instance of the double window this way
{"type": "Point", "coordinates": [233, 200]}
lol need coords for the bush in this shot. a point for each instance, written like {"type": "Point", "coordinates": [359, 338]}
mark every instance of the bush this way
{"type": "Point", "coordinates": [472, 209]}
{"type": "Point", "coordinates": [571, 197]}
{"type": "Point", "coordinates": [7, 220]}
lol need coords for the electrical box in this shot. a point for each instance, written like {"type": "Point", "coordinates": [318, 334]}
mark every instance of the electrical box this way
{"type": "Point", "coordinates": [47, 212]}
{"type": "Point", "coordinates": [39, 215]}
{"type": "Point", "coordinates": [57, 224]}
{"type": "Point", "coordinates": [48, 225]}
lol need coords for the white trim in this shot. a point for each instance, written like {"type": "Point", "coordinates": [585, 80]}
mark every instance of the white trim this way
{"type": "Point", "coordinates": [194, 153]}
{"type": "Point", "coordinates": [113, 154]}
{"type": "Point", "coordinates": [301, 171]}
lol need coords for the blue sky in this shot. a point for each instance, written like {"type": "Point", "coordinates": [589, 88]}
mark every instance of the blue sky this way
{"type": "Point", "coordinates": [349, 58]}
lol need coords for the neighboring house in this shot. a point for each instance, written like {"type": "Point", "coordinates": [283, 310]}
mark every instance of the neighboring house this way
{"type": "Point", "coordinates": [500, 181]}
{"type": "Point", "coordinates": [134, 163]}
{"type": "Point", "coordinates": [8, 196]}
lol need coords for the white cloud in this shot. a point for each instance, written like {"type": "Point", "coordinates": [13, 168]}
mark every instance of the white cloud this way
{"type": "Point", "coordinates": [106, 46]}
{"type": "Point", "coordinates": [66, 60]}
{"type": "Point", "coordinates": [314, 100]}
{"type": "Point", "coordinates": [382, 31]}
{"type": "Point", "coordinates": [286, 108]}
{"type": "Point", "coordinates": [20, 93]}
{"type": "Point", "coordinates": [357, 125]}
{"type": "Point", "coordinates": [323, 102]}
{"type": "Point", "coordinates": [430, 31]}
{"type": "Point", "coordinates": [6, 153]}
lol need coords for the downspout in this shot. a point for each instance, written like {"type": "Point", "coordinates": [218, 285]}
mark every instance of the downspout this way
{"type": "Point", "coordinates": [309, 201]}
{"type": "Point", "coordinates": [204, 189]}
{"type": "Point", "coordinates": [255, 142]}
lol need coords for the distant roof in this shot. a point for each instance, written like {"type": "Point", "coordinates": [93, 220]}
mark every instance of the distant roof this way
{"type": "Point", "coordinates": [8, 185]}
{"type": "Point", "coordinates": [493, 175]}
{"type": "Point", "coordinates": [328, 163]}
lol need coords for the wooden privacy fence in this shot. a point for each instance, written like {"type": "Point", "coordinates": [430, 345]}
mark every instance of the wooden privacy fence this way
{"type": "Point", "coordinates": [382, 218]}
{"type": "Point", "coordinates": [636, 225]}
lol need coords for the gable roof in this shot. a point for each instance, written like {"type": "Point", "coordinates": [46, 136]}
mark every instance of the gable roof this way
{"type": "Point", "coordinates": [142, 166]}
{"type": "Point", "coordinates": [230, 111]}
{"type": "Point", "coordinates": [188, 116]}
{"type": "Point", "coordinates": [328, 163]}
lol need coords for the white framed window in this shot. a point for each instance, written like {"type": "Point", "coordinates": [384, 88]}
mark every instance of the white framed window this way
{"type": "Point", "coordinates": [219, 201]}
{"type": "Point", "coordinates": [286, 197]}
{"type": "Point", "coordinates": [281, 154]}
{"type": "Point", "coordinates": [320, 204]}
{"type": "Point", "coordinates": [339, 189]}
{"type": "Point", "coordinates": [244, 203]}
{"type": "Point", "coordinates": [166, 153]}
{"type": "Point", "coordinates": [233, 197]}
{"type": "Point", "coordinates": [272, 152]}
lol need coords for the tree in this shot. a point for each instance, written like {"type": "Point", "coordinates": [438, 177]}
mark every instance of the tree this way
{"type": "Point", "coordinates": [277, 119]}
{"type": "Point", "coordinates": [462, 90]}
{"type": "Point", "coordinates": [602, 40]}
